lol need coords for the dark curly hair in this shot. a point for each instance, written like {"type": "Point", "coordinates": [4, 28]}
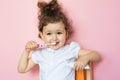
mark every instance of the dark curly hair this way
{"type": "Point", "coordinates": [51, 13]}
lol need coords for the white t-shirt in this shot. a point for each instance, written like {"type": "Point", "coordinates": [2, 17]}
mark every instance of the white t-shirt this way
{"type": "Point", "coordinates": [57, 64]}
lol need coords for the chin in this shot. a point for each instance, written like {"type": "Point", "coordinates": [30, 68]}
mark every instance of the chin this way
{"type": "Point", "coordinates": [55, 48]}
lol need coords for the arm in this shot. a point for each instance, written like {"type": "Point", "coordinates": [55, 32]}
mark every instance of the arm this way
{"type": "Point", "coordinates": [90, 55]}
{"type": "Point", "coordinates": [84, 57]}
{"type": "Point", "coordinates": [25, 62]}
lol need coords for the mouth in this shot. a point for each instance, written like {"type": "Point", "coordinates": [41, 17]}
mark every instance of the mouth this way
{"type": "Point", "coordinates": [54, 43]}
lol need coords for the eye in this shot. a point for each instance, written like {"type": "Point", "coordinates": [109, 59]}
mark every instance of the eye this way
{"type": "Point", "coordinates": [59, 33]}
{"type": "Point", "coordinates": [48, 33]}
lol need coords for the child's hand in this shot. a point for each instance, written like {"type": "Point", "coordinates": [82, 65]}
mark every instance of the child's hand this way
{"type": "Point", "coordinates": [81, 62]}
{"type": "Point", "coordinates": [31, 45]}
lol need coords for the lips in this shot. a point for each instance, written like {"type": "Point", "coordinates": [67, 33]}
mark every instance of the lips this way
{"type": "Point", "coordinates": [53, 43]}
{"type": "Point", "coordinates": [56, 43]}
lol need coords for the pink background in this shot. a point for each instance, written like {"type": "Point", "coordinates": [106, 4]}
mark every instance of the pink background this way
{"type": "Point", "coordinates": [96, 24]}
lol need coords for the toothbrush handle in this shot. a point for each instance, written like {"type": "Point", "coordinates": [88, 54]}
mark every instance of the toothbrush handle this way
{"type": "Point", "coordinates": [38, 46]}
{"type": "Point", "coordinates": [42, 45]}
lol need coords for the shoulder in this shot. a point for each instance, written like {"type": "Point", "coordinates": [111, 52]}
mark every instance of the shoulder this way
{"type": "Point", "coordinates": [74, 45]}
{"type": "Point", "coordinates": [73, 49]}
{"type": "Point", "coordinates": [37, 55]}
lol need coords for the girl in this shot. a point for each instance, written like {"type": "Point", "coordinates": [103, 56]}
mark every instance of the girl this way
{"type": "Point", "coordinates": [59, 60]}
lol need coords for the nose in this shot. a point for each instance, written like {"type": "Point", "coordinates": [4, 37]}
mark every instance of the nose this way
{"type": "Point", "coordinates": [54, 37]}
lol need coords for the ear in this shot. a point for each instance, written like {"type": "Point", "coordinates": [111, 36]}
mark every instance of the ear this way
{"type": "Point", "coordinates": [41, 35]}
{"type": "Point", "coordinates": [67, 35]}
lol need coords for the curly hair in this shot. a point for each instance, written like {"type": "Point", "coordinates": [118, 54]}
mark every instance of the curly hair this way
{"type": "Point", "coordinates": [51, 13]}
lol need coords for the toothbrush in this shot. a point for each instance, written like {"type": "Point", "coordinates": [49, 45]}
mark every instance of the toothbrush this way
{"type": "Point", "coordinates": [45, 45]}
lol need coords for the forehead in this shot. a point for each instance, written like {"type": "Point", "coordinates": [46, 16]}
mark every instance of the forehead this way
{"type": "Point", "coordinates": [54, 26]}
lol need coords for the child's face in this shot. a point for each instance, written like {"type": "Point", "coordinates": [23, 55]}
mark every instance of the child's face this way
{"type": "Point", "coordinates": [54, 32]}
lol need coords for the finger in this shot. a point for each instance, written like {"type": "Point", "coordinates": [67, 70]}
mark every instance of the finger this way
{"type": "Point", "coordinates": [27, 46]}
{"type": "Point", "coordinates": [27, 49]}
{"type": "Point", "coordinates": [81, 67]}
{"type": "Point", "coordinates": [30, 45]}
{"type": "Point", "coordinates": [34, 44]}
{"type": "Point", "coordinates": [75, 66]}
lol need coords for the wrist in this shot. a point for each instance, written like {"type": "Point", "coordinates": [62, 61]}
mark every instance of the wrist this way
{"type": "Point", "coordinates": [27, 51]}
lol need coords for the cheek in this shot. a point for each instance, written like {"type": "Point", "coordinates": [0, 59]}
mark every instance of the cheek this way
{"type": "Point", "coordinates": [47, 38]}
{"type": "Point", "coordinates": [62, 37]}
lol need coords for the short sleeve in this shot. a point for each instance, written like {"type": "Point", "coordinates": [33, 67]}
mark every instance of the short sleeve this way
{"type": "Point", "coordinates": [36, 56]}
{"type": "Point", "coordinates": [74, 48]}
